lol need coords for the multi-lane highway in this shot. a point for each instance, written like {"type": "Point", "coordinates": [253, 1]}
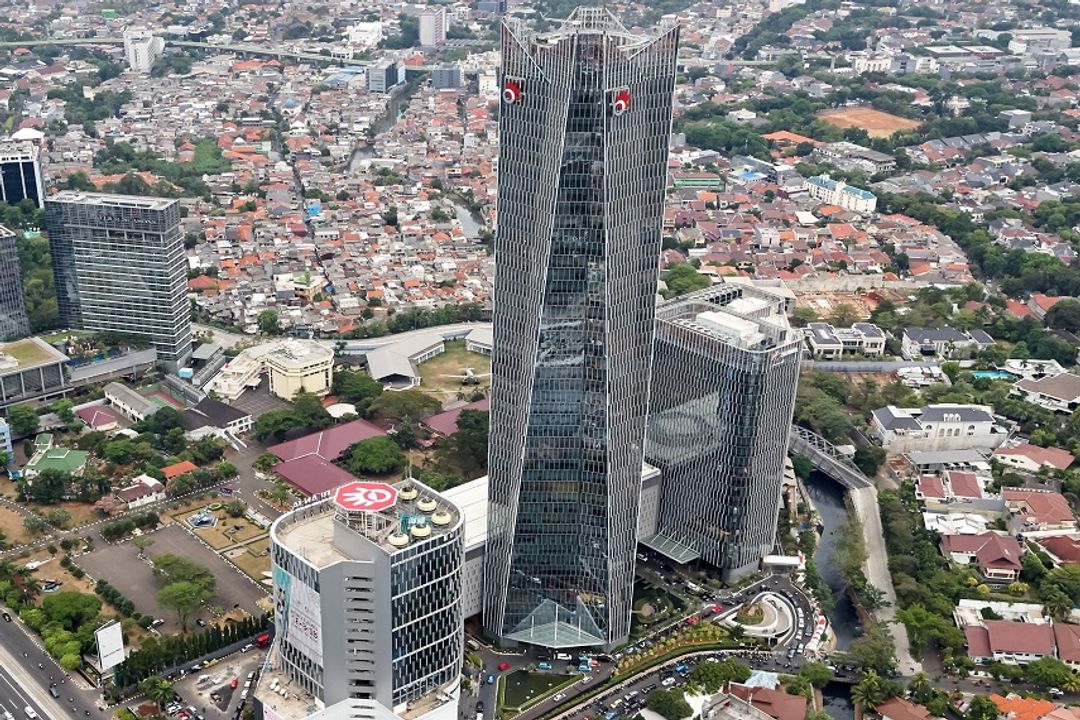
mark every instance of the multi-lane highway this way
{"type": "Point", "coordinates": [26, 674]}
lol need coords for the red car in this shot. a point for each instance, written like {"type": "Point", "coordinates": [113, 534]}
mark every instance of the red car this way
{"type": "Point", "coordinates": [234, 683]}
{"type": "Point", "coordinates": [504, 666]}
{"type": "Point", "coordinates": [717, 608]}
{"type": "Point", "coordinates": [693, 619]}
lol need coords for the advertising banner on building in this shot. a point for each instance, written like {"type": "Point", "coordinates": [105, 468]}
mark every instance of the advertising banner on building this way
{"type": "Point", "coordinates": [297, 606]}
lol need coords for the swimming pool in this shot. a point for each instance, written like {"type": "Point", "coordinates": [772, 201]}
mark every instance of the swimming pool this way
{"type": "Point", "coordinates": [991, 374]}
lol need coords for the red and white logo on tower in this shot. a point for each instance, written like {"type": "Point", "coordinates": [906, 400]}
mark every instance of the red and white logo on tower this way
{"type": "Point", "coordinates": [621, 101]}
{"type": "Point", "coordinates": [511, 91]}
{"type": "Point", "coordinates": [365, 496]}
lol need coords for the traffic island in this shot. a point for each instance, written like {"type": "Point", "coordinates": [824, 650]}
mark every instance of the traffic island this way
{"type": "Point", "coordinates": [521, 689]}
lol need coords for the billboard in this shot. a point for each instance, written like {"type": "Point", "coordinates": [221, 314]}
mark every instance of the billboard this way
{"type": "Point", "coordinates": [110, 645]}
{"type": "Point", "coordinates": [299, 614]}
{"type": "Point", "coordinates": [365, 496]}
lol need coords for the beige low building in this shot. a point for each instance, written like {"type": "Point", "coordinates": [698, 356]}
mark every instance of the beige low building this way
{"type": "Point", "coordinates": [299, 365]}
{"type": "Point", "coordinates": [291, 366]}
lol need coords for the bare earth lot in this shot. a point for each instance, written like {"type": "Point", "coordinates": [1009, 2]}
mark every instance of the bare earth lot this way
{"type": "Point", "coordinates": [874, 122]}
{"type": "Point", "coordinates": [121, 566]}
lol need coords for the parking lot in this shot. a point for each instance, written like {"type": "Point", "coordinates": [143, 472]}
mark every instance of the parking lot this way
{"type": "Point", "coordinates": [121, 566]}
{"type": "Point", "coordinates": [258, 401]}
{"type": "Point", "coordinates": [196, 688]}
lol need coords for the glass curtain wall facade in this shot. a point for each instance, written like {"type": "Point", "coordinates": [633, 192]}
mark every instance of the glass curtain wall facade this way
{"type": "Point", "coordinates": [20, 173]}
{"type": "Point", "coordinates": [724, 379]}
{"type": "Point", "coordinates": [584, 130]}
{"type": "Point", "coordinates": [119, 265]}
{"type": "Point", "coordinates": [13, 319]}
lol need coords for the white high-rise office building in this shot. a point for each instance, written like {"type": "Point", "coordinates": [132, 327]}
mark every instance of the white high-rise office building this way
{"type": "Point", "coordinates": [142, 49]}
{"type": "Point", "coordinates": [433, 24]}
{"type": "Point", "coordinates": [367, 595]}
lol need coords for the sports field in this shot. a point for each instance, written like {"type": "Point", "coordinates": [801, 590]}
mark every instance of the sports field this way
{"type": "Point", "coordinates": [162, 399]}
{"type": "Point", "coordinates": [874, 122]}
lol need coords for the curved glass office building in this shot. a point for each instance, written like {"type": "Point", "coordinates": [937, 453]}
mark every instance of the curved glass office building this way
{"type": "Point", "coordinates": [584, 129]}
{"type": "Point", "coordinates": [724, 380]}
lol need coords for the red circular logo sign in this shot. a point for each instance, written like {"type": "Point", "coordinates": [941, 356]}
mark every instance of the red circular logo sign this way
{"type": "Point", "coordinates": [365, 496]}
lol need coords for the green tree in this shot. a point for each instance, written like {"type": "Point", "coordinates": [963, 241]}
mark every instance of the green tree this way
{"type": "Point", "coordinates": [803, 465]}
{"type": "Point", "coordinates": [869, 691]}
{"type": "Point", "coordinates": [1048, 673]}
{"type": "Point", "coordinates": [23, 420]}
{"type": "Point", "coordinates": [670, 704]}
{"type": "Point", "coordinates": [874, 649]}
{"type": "Point", "coordinates": [184, 597]}
{"type": "Point", "coordinates": [309, 408]}
{"type": "Point", "coordinates": [844, 315]}
{"type": "Point", "coordinates": [63, 410]}
{"type": "Point", "coordinates": [682, 279]}
{"type": "Point", "coordinates": [157, 689]}
{"type": "Point", "coordinates": [70, 609]}
{"type": "Point", "coordinates": [358, 388]}
{"type": "Point", "coordinates": [269, 323]}
{"type": "Point", "coordinates": [265, 462]}
{"type": "Point", "coordinates": [276, 424]}
{"type": "Point", "coordinates": [798, 685]}
{"type": "Point", "coordinates": [869, 458]}
{"type": "Point", "coordinates": [58, 517]}
{"type": "Point", "coordinates": [817, 673]}
{"type": "Point", "coordinates": [375, 456]}
{"type": "Point", "coordinates": [407, 405]}
{"type": "Point", "coordinates": [176, 568]}
{"type": "Point", "coordinates": [235, 508]}
{"type": "Point", "coordinates": [713, 675]}
{"type": "Point", "coordinates": [981, 708]}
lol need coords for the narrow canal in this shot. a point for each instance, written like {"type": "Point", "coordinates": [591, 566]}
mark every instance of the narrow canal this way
{"type": "Point", "coordinates": [828, 497]}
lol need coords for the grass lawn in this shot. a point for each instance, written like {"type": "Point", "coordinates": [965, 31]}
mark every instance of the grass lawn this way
{"type": "Point", "coordinates": [652, 605]}
{"type": "Point", "coordinates": [64, 335]}
{"type": "Point", "coordinates": [11, 524]}
{"type": "Point", "coordinates": [25, 352]}
{"type": "Point", "coordinates": [453, 362]}
{"type": "Point", "coordinates": [522, 686]}
{"type": "Point", "coordinates": [253, 559]}
{"type": "Point", "coordinates": [222, 534]}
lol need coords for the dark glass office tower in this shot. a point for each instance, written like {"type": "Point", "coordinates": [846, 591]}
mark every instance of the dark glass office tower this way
{"type": "Point", "coordinates": [584, 127]}
{"type": "Point", "coordinates": [724, 380]}
{"type": "Point", "coordinates": [119, 265]}
{"type": "Point", "coordinates": [13, 320]}
{"type": "Point", "coordinates": [20, 172]}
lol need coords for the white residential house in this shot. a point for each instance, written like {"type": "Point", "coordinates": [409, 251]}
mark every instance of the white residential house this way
{"type": "Point", "coordinates": [936, 427]}
{"type": "Point", "coordinates": [1060, 393]}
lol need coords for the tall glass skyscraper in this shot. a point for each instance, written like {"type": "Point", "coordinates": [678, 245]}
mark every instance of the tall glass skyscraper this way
{"type": "Point", "coordinates": [584, 128]}
{"type": "Point", "coordinates": [724, 380]}
{"type": "Point", "coordinates": [119, 265]}
{"type": "Point", "coordinates": [13, 319]}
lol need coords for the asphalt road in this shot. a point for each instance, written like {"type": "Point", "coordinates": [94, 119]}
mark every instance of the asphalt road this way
{"type": "Point", "coordinates": [23, 683]}
{"type": "Point", "coordinates": [777, 661]}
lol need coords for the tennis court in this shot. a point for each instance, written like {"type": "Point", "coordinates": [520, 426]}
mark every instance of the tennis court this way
{"type": "Point", "coordinates": [163, 399]}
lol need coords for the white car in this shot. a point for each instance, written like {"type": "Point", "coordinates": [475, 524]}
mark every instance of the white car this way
{"type": "Point", "coordinates": [558, 697]}
{"type": "Point", "coordinates": [586, 679]}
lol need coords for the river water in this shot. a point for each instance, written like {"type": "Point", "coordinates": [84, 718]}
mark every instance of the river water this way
{"type": "Point", "coordinates": [384, 122]}
{"type": "Point", "coordinates": [836, 698]}
{"type": "Point", "coordinates": [828, 498]}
